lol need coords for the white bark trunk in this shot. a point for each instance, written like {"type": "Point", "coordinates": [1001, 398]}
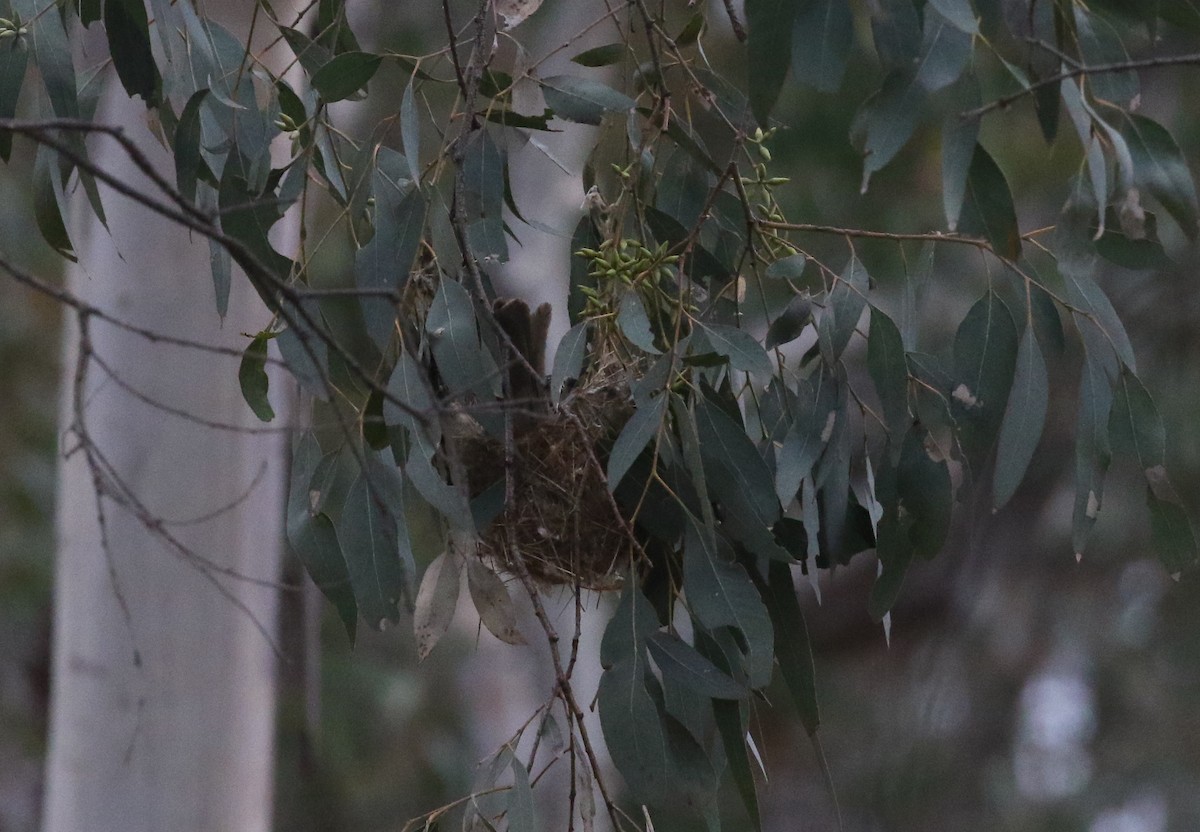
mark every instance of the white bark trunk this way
{"type": "Point", "coordinates": [183, 739]}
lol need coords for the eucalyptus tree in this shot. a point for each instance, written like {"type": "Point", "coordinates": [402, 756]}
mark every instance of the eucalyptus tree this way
{"type": "Point", "coordinates": [730, 410]}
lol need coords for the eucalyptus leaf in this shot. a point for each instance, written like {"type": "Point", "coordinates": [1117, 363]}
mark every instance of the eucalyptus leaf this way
{"type": "Point", "coordinates": [568, 359]}
{"type": "Point", "coordinates": [344, 75]}
{"type": "Point", "coordinates": [637, 433]}
{"type": "Point", "coordinates": [679, 660]}
{"type": "Point", "coordinates": [985, 355]}
{"type": "Point", "coordinates": [822, 35]}
{"type": "Point", "coordinates": [988, 208]}
{"type": "Point", "coordinates": [252, 375]}
{"type": "Point", "coordinates": [582, 99]}
{"type": "Point", "coordinates": [1024, 419]}
{"type": "Point", "coordinates": [493, 603]}
{"type": "Point", "coordinates": [368, 535]}
{"type": "Point", "coordinates": [769, 42]}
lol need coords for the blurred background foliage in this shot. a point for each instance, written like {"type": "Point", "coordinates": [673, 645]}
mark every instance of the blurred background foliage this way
{"type": "Point", "coordinates": [1020, 690]}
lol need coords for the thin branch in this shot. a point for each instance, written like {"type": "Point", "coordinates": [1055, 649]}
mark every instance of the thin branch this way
{"type": "Point", "coordinates": [1075, 72]}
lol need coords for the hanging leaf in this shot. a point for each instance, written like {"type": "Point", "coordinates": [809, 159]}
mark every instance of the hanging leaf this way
{"type": "Point", "coordinates": [385, 261]}
{"type": "Point", "coordinates": [740, 480]}
{"type": "Point", "coordinates": [641, 428]}
{"type": "Point", "coordinates": [252, 375]}
{"type": "Point", "coordinates": [1160, 168]}
{"type": "Point", "coordinates": [410, 133]}
{"type": "Point", "coordinates": [787, 268]}
{"type": "Point", "coordinates": [635, 323]}
{"type": "Point", "coordinates": [344, 75]}
{"type": "Point", "coordinates": [46, 212]}
{"type": "Point", "coordinates": [958, 149]}
{"type": "Point", "coordinates": [769, 45]}
{"type": "Point", "coordinates": [728, 716]}
{"type": "Point", "coordinates": [13, 62]}
{"type": "Point", "coordinates": [493, 603]}
{"type": "Point", "coordinates": [925, 493]}
{"type": "Point", "coordinates": [455, 340]}
{"type": "Point", "coordinates": [985, 354]}
{"type": "Point", "coordinates": [1024, 419]}
{"type": "Point", "coordinates": [583, 100]}
{"type": "Point", "coordinates": [520, 799]}
{"type": "Point", "coordinates": [817, 402]}
{"type": "Point", "coordinates": [988, 208]}
{"type": "Point", "coordinates": [1092, 451]}
{"type": "Point", "coordinates": [739, 347]}
{"type": "Point", "coordinates": [720, 594]}
{"type": "Point", "coordinates": [568, 359]}
{"type": "Point", "coordinates": [791, 322]}
{"type": "Point", "coordinates": [679, 660]}
{"type": "Point", "coordinates": [606, 55]}
{"type": "Point", "coordinates": [822, 35]}
{"type": "Point", "coordinates": [889, 371]}
{"type": "Point", "coordinates": [959, 13]}
{"type": "Point", "coordinates": [792, 646]}
{"type": "Point", "coordinates": [128, 31]}
{"type": "Point", "coordinates": [436, 602]}
{"type": "Point", "coordinates": [845, 306]}
{"type": "Point", "coordinates": [945, 53]}
{"type": "Point", "coordinates": [1170, 528]}
{"type": "Point", "coordinates": [368, 535]}
{"type": "Point", "coordinates": [313, 537]}
{"type": "Point", "coordinates": [1135, 425]}
{"type": "Point", "coordinates": [886, 121]}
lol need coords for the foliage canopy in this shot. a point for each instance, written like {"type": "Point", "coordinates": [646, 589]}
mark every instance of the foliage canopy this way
{"type": "Point", "coordinates": [727, 408]}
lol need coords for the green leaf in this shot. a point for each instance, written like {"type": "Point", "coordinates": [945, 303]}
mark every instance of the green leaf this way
{"type": "Point", "coordinates": [582, 99]}
{"type": "Point", "coordinates": [817, 400]}
{"type": "Point", "coordinates": [1171, 530]}
{"type": "Point", "coordinates": [738, 346]}
{"type": "Point", "coordinates": [313, 537]}
{"type": "Point", "coordinates": [679, 660]}
{"type": "Point", "coordinates": [385, 261]}
{"type": "Point", "coordinates": [720, 594]}
{"type": "Point", "coordinates": [985, 355]}
{"type": "Point", "coordinates": [959, 13]}
{"type": "Point", "coordinates": [409, 386]}
{"type": "Point", "coordinates": [633, 730]}
{"type": "Point", "coordinates": [1100, 43]}
{"type": "Point", "coordinates": [606, 55]}
{"type": "Point", "coordinates": [568, 359]}
{"type": "Point", "coordinates": [886, 121]}
{"type": "Point", "coordinates": [945, 53]}
{"type": "Point", "coordinates": [410, 132]}
{"type": "Point", "coordinates": [344, 75]}
{"type": "Point", "coordinates": [13, 62]}
{"type": "Point", "coordinates": [631, 624]}
{"type": "Point", "coordinates": [925, 492]}
{"type": "Point", "coordinates": [483, 172]}
{"type": "Point", "coordinates": [51, 53]}
{"type": "Point", "coordinates": [769, 46]}
{"type": "Point", "coordinates": [728, 717]}
{"type": "Point", "coordinates": [454, 340]}
{"type": "Point", "coordinates": [896, 27]}
{"type": "Point", "coordinates": [822, 35]}
{"type": "Point", "coordinates": [1160, 168]}
{"type": "Point", "coordinates": [1135, 425]}
{"type": "Point", "coordinates": [128, 31]}
{"type": "Point", "coordinates": [1141, 252]}
{"type": "Point", "coordinates": [988, 209]}
{"type": "Point", "coordinates": [791, 322]}
{"type": "Point", "coordinates": [843, 309]}
{"type": "Point", "coordinates": [889, 371]}
{"type": "Point", "coordinates": [188, 162]}
{"type": "Point", "coordinates": [958, 149]}
{"type": "Point", "coordinates": [1099, 315]}
{"type": "Point", "coordinates": [635, 323]}
{"type": "Point", "coordinates": [252, 375]}
{"type": "Point", "coordinates": [739, 479]}
{"type": "Point", "coordinates": [46, 212]}
{"type": "Point", "coordinates": [312, 55]}
{"type": "Point", "coordinates": [690, 33]}
{"type": "Point", "coordinates": [787, 268]}
{"type": "Point", "coordinates": [1092, 451]}
{"type": "Point", "coordinates": [792, 646]}
{"type": "Point", "coordinates": [1024, 420]}
{"type": "Point", "coordinates": [520, 799]}
{"type": "Point", "coordinates": [637, 433]}
{"type": "Point", "coordinates": [368, 534]}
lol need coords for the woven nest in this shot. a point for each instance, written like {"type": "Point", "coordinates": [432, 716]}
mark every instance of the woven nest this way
{"type": "Point", "coordinates": [561, 521]}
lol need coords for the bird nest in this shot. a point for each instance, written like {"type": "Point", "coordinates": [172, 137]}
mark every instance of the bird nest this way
{"type": "Point", "coordinates": [561, 521]}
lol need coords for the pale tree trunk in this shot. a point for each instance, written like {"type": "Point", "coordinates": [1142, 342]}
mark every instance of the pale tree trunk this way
{"type": "Point", "coordinates": [163, 701]}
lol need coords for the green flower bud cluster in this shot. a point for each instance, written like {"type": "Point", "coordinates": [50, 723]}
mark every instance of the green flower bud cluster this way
{"type": "Point", "coordinates": [619, 265]}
